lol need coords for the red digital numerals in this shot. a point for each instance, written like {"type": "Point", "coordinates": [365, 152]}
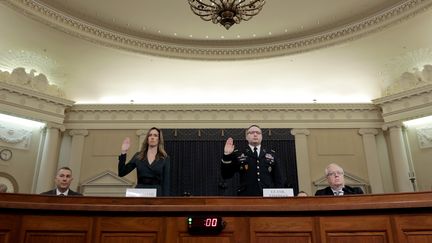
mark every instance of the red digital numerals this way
{"type": "Point", "coordinates": [210, 222]}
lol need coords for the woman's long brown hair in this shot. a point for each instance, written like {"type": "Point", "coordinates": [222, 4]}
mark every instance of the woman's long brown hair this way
{"type": "Point", "coordinates": [161, 153]}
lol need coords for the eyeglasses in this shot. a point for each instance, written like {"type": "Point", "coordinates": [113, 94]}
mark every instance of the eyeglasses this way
{"type": "Point", "coordinates": [334, 173]}
{"type": "Point", "coordinates": [256, 132]}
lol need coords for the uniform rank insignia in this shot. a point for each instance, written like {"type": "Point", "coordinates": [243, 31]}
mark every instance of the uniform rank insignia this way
{"type": "Point", "coordinates": [269, 156]}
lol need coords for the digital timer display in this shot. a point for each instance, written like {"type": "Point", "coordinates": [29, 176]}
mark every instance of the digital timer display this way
{"type": "Point", "coordinates": [205, 225]}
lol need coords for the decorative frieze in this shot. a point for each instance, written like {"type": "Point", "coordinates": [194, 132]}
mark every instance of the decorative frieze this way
{"type": "Point", "coordinates": [16, 100]}
{"type": "Point", "coordinates": [220, 116]}
{"type": "Point", "coordinates": [406, 105]}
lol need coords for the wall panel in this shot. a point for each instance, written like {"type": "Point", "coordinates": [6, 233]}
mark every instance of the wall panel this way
{"type": "Point", "coordinates": [56, 228]}
{"type": "Point", "coordinates": [352, 229]}
{"type": "Point", "coordinates": [414, 228]}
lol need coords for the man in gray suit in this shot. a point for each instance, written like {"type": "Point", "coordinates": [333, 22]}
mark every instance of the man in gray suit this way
{"type": "Point", "coordinates": [63, 180]}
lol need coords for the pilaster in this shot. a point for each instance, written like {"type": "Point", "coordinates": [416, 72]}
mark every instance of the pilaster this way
{"type": "Point", "coordinates": [399, 156]}
{"type": "Point", "coordinates": [372, 161]}
{"type": "Point", "coordinates": [302, 155]}
{"type": "Point", "coordinates": [76, 155]}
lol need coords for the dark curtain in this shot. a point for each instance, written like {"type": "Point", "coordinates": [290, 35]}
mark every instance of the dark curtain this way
{"type": "Point", "coordinates": [196, 156]}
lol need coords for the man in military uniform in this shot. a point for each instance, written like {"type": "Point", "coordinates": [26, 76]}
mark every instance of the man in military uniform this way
{"type": "Point", "coordinates": [258, 167]}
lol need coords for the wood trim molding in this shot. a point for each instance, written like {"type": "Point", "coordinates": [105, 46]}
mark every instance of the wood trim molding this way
{"type": "Point", "coordinates": [369, 202]}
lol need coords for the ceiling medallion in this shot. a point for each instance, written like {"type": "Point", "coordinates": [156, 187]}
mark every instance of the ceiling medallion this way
{"type": "Point", "coordinates": [226, 12]}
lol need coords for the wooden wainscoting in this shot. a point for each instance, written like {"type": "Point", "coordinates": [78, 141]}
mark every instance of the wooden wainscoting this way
{"type": "Point", "coordinates": [400, 218]}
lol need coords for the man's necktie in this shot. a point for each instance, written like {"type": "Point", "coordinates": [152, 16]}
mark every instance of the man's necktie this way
{"type": "Point", "coordinates": [62, 195]}
{"type": "Point", "coordinates": [338, 193]}
{"type": "Point", "coordinates": [255, 152]}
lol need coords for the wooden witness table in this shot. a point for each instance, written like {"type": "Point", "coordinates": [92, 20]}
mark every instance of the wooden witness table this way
{"type": "Point", "coordinates": [404, 217]}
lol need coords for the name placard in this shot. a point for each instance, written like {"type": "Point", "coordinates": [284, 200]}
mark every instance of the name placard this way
{"type": "Point", "coordinates": [278, 192]}
{"type": "Point", "coordinates": [141, 192]}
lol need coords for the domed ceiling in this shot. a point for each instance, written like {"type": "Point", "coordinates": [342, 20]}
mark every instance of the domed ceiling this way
{"type": "Point", "coordinates": [107, 51]}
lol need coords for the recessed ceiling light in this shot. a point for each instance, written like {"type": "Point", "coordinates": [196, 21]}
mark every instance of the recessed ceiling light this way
{"type": "Point", "coordinates": [238, 36]}
{"type": "Point", "coordinates": [190, 36]}
{"type": "Point", "coordinates": [286, 30]}
{"type": "Point", "coordinates": [159, 31]}
{"type": "Point", "coordinates": [175, 34]}
{"type": "Point", "coordinates": [270, 33]}
{"type": "Point", "coordinates": [254, 35]}
{"type": "Point", "coordinates": [222, 37]}
{"type": "Point", "coordinates": [207, 37]}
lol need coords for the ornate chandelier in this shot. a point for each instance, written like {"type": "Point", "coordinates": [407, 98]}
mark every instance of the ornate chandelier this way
{"type": "Point", "coordinates": [226, 12]}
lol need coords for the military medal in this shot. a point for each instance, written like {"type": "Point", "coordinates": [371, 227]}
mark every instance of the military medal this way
{"type": "Point", "coordinates": [270, 169]}
{"type": "Point", "coordinates": [246, 167]}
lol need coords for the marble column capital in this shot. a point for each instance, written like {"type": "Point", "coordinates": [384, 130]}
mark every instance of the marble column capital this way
{"type": "Point", "coordinates": [141, 132]}
{"type": "Point", "coordinates": [296, 132]}
{"type": "Point", "coordinates": [388, 126]}
{"type": "Point", "coordinates": [368, 131]}
{"type": "Point", "coordinates": [80, 132]}
{"type": "Point", "coordinates": [51, 125]}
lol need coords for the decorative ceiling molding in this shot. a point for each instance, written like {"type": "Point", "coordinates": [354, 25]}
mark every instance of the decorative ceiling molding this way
{"type": "Point", "coordinates": [222, 116]}
{"type": "Point", "coordinates": [229, 50]}
{"type": "Point", "coordinates": [407, 105]}
{"type": "Point", "coordinates": [38, 63]}
{"type": "Point", "coordinates": [418, 62]}
{"type": "Point", "coordinates": [39, 83]}
{"type": "Point", "coordinates": [410, 80]}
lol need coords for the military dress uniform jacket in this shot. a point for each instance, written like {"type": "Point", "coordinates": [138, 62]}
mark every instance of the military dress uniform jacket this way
{"type": "Point", "coordinates": [255, 173]}
{"type": "Point", "coordinates": [347, 190]}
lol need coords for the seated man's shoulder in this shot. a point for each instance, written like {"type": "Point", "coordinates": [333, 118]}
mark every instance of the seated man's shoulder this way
{"type": "Point", "coordinates": [355, 190]}
{"type": "Point", "coordinates": [323, 191]}
{"type": "Point", "coordinates": [50, 192]}
{"type": "Point", "coordinates": [72, 193]}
